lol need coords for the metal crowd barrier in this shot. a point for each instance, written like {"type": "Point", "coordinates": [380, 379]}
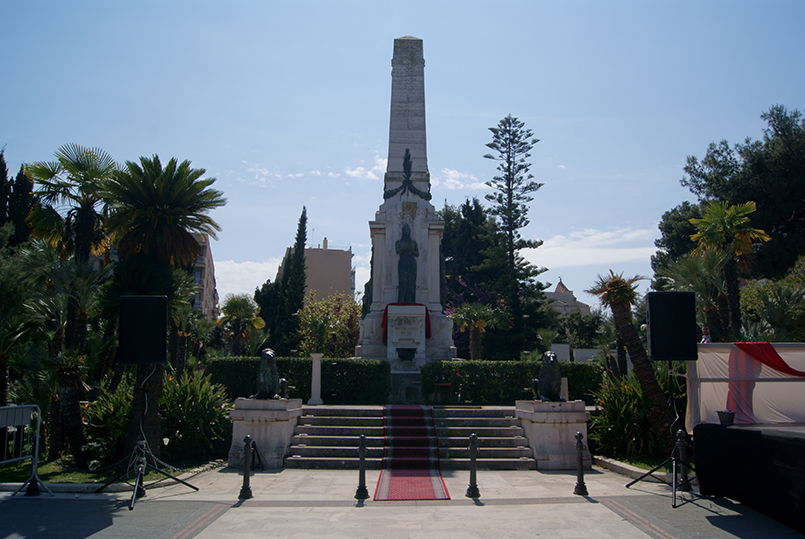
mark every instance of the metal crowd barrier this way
{"type": "Point", "coordinates": [21, 441]}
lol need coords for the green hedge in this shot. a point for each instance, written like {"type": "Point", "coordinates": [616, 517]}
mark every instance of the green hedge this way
{"type": "Point", "coordinates": [502, 382]}
{"type": "Point", "coordinates": [343, 381]}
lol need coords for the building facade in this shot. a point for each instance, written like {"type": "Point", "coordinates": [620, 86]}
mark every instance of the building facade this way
{"type": "Point", "coordinates": [328, 272]}
{"type": "Point", "coordinates": [206, 299]}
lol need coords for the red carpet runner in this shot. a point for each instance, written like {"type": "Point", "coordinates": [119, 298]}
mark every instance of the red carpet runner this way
{"type": "Point", "coordinates": [411, 456]}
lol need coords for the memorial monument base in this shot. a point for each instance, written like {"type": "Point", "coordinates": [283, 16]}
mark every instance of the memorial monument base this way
{"type": "Point", "coordinates": [270, 423]}
{"type": "Point", "coordinates": [550, 428]}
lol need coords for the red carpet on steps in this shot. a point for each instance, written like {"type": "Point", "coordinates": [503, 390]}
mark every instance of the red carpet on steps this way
{"type": "Point", "coordinates": [411, 456]}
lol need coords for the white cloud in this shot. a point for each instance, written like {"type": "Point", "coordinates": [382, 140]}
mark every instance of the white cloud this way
{"type": "Point", "coordinates": [373, 173]}
{"type": "Point", "coordinates": [454, 180]}
{"type": "Point", "coordinates": [243, 277]}
{"type": "Point", "coordinates": [594, 247]}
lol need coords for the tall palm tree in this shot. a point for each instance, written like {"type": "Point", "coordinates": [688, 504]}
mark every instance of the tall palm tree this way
{"type": "Point", "coordinates": [155, 212]}
{"type": "Point", "coordinates": [70, 208]}
{"type": "Point", "coordinates": [725, 228]}
{"type": "Point", "coordinates": [620, 294]}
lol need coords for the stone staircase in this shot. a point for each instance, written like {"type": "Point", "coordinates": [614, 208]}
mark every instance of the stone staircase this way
{"type": "Point", "coordinates": [328, 437]}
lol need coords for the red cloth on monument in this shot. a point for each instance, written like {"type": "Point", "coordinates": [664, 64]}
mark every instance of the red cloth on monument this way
{"type": "Point", "coordinates": [384, 323]}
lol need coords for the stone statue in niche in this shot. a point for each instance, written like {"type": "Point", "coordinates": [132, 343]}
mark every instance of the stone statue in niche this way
{"type": "Point", "coordinates": [549, 384]}
{"type": "Point", "coordinates": [408, 251]}
{"type": "Point", "coordinates": [268, 380]}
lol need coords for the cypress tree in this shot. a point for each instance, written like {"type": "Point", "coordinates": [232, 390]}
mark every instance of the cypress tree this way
{"type": "Point", "coordinates": [20, 203]}
{"type": "Point", "coordinates": [5, 188]}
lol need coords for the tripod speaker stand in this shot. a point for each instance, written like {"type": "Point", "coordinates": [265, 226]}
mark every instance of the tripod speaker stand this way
{"type": "Point", "coordinates": [677, 461]}
{"type": "Point", "coordinates": [138, 463]}
{"type": "Point", "coordinates": [671, 318]}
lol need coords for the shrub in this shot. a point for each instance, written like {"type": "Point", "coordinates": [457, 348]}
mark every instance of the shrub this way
{"type": "Point", "coordinates": [195, 417]}
{"type": "Point", "coordinates": [195, 420]}
{"type": "Point", "coordinates": [502, 382]}
{"type": "Point", "coordinates": [621, 428]}
{"type": "Point", "coordinates": [343, 381]}
{"type": "Point", "coordinates": [107, 424]}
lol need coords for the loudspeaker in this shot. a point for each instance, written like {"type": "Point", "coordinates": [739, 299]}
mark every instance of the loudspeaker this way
{"type": "Point", "coordinates": [143, 334]}
{"type": "Point", "coordinates": [671, 326]}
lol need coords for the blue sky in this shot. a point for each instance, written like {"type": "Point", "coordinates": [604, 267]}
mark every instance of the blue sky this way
{"type": "Point", "coordinates": [287, 105]}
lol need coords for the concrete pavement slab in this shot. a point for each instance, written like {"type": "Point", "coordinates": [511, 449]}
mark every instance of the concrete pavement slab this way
{"type": "Point", "coordinates": [296, 503]}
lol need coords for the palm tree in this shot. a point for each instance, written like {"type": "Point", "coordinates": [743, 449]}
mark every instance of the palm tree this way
{"type": "Point", "coordinates": [620, 294]}
{"type": "Point", "coordinates": [70, 208]}
{"type": "Point", "coordinates": [476, 317]}
{"type": "Point", "coordinates": [155, 213]}
{"type": "Point", "coordinates": [156, 210]}
{"type": "Point", "coordinates": [701, 273]}
{"type": "Point", "coordinates": [240, 319]}
{"type": "Point", "coordinates": [725, 228]}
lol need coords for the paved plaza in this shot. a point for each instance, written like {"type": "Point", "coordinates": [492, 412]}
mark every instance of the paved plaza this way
{"type": "Point", "coordinates": [296, 503]}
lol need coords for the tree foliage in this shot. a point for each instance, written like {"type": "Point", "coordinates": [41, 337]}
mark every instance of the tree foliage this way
{"type": "Point", "coordinates": [620, 294]}
{"type": "Point", "coordinates": [770, 172]}
{"type": "Point", "coordinates": [240, 320]}
{"type": "Point", "coordinates": [280, 300]}
{"type": "Point", "coordinates": [156, 210]}
{"type": "Point", "coordinates": [515, 278]}
{"type": "Point", "coordinates": [725, 229]}
{"type": "Point", "coordinates": [329, 325]}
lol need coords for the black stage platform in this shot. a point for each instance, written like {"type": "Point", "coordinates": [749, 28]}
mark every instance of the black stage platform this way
{"type": "Point", "coordinates": [762, 466]}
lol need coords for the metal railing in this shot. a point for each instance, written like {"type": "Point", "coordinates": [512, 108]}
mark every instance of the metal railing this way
{"type": "Point", "coordinates": [21, 442]}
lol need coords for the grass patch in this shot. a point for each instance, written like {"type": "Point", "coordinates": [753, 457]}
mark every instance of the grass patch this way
{"type": "Point", "coordinates": [59, 472]}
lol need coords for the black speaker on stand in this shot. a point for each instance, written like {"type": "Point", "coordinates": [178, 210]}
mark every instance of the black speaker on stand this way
{"type": "Point", "coordinates": [671, 318]}
{"type": "Point", "coordinates": [142, 339]}
{"type": "Point", "coordinates": [143, 334]}
{"type": "Point", "coordinates": [671, 326]}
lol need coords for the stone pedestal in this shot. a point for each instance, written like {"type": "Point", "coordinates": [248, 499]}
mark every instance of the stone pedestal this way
{"type": "Point", "coordinates": [406, 332]}
{"type": "Point", "coordinates": [551, 428]}
{"type": "Point", "coordinates": [269, 422]}
{"type": "Point", "coordinates": [315, 380]}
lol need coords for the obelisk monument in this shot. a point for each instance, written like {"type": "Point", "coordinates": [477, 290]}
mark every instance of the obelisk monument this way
{"type": "Point", "coordinates": [403, 320]}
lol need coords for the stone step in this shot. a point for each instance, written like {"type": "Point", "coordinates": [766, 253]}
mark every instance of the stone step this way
{"type": "Point", "coordinates": [378, 452]}
{"type": "Point", "coordinates": [378, 431]}
{"type": "Point", "coordinates": [379, 441]}
{"type": "Point", "coordinates": [438, 411]}
{"type": "Point", "coordinates": [328, 437]}
{"type": "Point", "coordinates": [344, 421]}
{"type": "Point", "coordinates": [343, 411]}
{"type": "Point", "coordinates": [522, 463]}
{"type": "Point", "coordinates": [441, 422]}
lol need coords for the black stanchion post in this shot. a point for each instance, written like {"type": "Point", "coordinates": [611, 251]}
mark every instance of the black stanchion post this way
{"type": "Point", "coordinates": [472, 489]}
{"type": "Point", "coordinates": [362, 493]}
{"type": "Point", "coordinates": [581, 488]}
{"type": "Point", "coordinates": [246, 489]}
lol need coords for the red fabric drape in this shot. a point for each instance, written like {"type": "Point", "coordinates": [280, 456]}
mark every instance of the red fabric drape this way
{"type": "Point", "coordinates": [766, 354]}
{"type": "Point", "coordinates": [384, 323]}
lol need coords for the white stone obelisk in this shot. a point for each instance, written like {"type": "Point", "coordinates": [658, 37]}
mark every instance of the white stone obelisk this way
{"type": "Point", "coordinates": [419, 326]}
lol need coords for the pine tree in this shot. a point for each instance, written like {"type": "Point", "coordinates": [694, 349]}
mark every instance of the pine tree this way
{"type": "Point", "coordinates": [515, 282]}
